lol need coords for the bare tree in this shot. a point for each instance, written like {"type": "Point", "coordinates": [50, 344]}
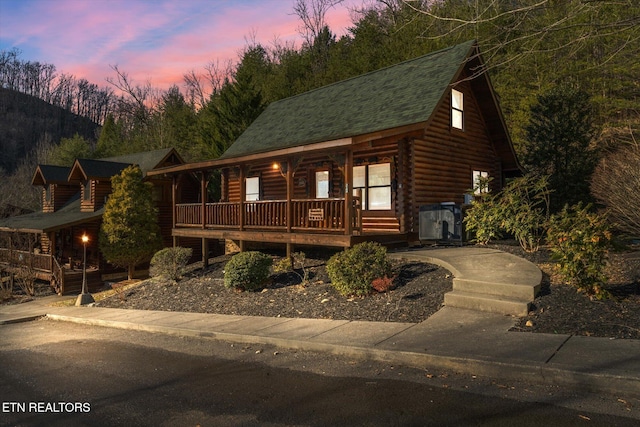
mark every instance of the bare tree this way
{"type": "Point", "coordinates": [615, 184]}
{"type": "Point", "coordinates": [200, 86]}
{"type": "Point", "coordinates": [312, 14]}
{"type": "Point", "coordinates": [530, 26]}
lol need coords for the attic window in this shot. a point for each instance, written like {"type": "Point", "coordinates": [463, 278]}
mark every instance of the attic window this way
{"type": "Point", "coordinates": [456, 109]}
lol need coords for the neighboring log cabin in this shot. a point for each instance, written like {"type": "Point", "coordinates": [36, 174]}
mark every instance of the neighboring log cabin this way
{"type": "Point", "coordinates": [49, 242]}
{"type": "Point", "coordinates": [353, 161]}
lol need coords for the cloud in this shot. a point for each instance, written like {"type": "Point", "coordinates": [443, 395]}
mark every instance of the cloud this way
{"type": "Point", "coordinates": [150, 40]}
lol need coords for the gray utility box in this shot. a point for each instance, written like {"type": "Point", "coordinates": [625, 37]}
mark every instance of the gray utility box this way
{"type": "Point", "coordinates": [441, 222]}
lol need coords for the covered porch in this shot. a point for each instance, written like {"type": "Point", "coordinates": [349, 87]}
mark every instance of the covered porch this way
{"type": "Point", "coordinates": [296, 196]}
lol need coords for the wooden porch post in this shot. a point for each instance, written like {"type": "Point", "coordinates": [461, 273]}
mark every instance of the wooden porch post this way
{"type": "Point", "coordinates": [174, 191]}
{"type": "Point", "coordinates": [174, 202]}
{"type": "Point", "coordinates": [348, 192]}
{"type": "Point", "coordinates": [205, 252]}
{"type": "Point", "coordinates": [203, 198]}
{"type": "Point", "coordinates": [243, 195]}
{"type": "Point", "coordinates": [289, 204]}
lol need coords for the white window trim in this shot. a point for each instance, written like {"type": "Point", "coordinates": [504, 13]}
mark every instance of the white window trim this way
{"type": "Point", "coordinates": [254, 196]}
{"type": "Point", "coordinates": [457, 111]}
{"type": "Point", "coordinates": [477, 174]}
{"type": "Point", "coordinates": [367, 187]}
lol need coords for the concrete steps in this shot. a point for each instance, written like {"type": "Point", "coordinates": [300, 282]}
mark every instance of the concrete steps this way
{"type": "Point", "coordinates": [485, 279]}
{"type": "Point", "coordinates": [505, 297]}
{"type": "Point", "coordinates": [486, 302]}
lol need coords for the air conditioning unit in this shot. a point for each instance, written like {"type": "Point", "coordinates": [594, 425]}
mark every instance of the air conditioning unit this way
{"type": "Point", "coordinates": [441, 222]}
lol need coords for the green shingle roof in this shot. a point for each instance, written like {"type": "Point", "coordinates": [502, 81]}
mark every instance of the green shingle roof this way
{"type": "Point", "coordinates": [48, 174]}
{"type": "Point", "coordinates": [147, 160]}
{"type": "Point", "coordinates": [101, 168]}
{"type": "Point", "coordinates": [43, 222]}
{"type": "Point", "coordinates": [403, 94]}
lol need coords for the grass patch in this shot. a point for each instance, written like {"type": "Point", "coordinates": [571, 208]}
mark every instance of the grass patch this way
{"type": "Point", "coordinates": [117, 288]}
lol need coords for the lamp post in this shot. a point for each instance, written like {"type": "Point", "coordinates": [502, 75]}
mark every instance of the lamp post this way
{"type": "Point", "coordinates": [85, 297]}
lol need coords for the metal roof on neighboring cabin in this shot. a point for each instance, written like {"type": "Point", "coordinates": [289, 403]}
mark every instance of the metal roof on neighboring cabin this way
{"type": "Point", "coordinates": [399, 95]}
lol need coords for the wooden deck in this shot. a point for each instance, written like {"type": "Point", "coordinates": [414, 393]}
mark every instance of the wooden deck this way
{"type": "Point", "coordinates": [318, 222]}
{"type": "Point", "coordinates": [64, 279]}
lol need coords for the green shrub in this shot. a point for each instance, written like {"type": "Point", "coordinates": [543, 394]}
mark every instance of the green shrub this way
{"type": "Point", "coordinates": [353, 271]}
{"type": "Point", "coordinates": [286, 265]}
{"type": "Point", "coordinates": [520, 209]}
{"type": "Point", "coordinates": [483, 219]}
{"type": "Point", "coordinates": [170, 262]}
{"type": "Point", "coordinates": [579, 241]}
{"type": "Point", "coordinates": [247, 270]}
{"type": "Point", "coordinates": [523, 210]}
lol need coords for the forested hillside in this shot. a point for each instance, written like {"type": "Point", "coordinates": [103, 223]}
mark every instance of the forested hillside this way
{"type": "Point", "coordinates": [531, 48]}
{"type": "Point", "coordinates": [26, 121]}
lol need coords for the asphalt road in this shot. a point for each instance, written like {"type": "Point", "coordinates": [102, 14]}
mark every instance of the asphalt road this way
{"type": "Point", "coordinates": [62, 374]}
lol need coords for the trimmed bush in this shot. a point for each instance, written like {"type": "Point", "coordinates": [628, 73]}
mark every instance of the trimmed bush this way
{"type": "Point", "coordinates": [170, 262]}
{"type": "Point", "coordinates": [353, 271]}
{"type": "Point", "coordinates": [247, 270]}
{"type": "Point", "coordinates": [579, 241]}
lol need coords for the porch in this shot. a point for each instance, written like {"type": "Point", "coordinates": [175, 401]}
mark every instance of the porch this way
{"type": "Point", "coordinates": [64, 278]}
{"type": "Point", "coordinates": [324, 222]}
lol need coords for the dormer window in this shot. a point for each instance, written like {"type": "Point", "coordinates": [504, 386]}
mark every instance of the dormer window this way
{"type": "Point", "coordinates": [86, 191]}
{"type": "Point", "coordinates": [47, 193]}
{"type": "Point", "coordinates": [457, 108]}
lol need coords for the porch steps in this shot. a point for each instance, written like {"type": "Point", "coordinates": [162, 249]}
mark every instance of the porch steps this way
{"type": "Point", "coordinates": [380, 224]}
{"type": "Point", "coordinates": [491, 303]}
{"type": "Point", "coordinates": [485, 279]}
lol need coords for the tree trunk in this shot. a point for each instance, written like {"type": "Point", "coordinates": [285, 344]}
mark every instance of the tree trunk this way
{"type": "Point", "coordinates": [131, 270]}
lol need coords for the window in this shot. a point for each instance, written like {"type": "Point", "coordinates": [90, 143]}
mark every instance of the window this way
{"type": "Point", "coordinates": [86, 193]}
{"type": "Point", "coordinates": [47, 192]}
{"type": "Point", "coordinates": [457, 109]}
{"type": "Point", "coordinates": [322, 184]}
{"type": "Point", "coordinates": [480, 182]}
{"type": "Point", "coordinates": [374, 181]}
{"type": "Point", "coordinates": [252, 188]}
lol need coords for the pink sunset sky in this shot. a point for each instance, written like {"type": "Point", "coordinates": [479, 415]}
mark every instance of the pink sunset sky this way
{"type": "Point", "coordinates": [151, 40]}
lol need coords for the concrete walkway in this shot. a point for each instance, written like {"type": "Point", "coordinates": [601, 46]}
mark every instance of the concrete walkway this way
{"type": "Point", "coordinates": [461, 340]}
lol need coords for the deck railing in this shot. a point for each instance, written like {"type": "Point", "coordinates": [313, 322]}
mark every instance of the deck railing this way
{"type": "Point", "coordinates": [307, 214]}
{"type": "Point", "coordinates": [41, 262]}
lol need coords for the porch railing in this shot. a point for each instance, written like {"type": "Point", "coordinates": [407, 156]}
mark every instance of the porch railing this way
{"type": "Point", "coordinates": [307, 214]}
{"type": "Point", "coordinates": [41, 262]}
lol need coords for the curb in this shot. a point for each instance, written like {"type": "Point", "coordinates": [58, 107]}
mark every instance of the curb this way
{"type": "Point", "coordinates": [535, 373]}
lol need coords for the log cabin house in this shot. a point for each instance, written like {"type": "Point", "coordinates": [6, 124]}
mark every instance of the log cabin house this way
{"type": "Point", "coordinates": [355, 160]}
{"type": "Point", "coordinates": [49, 242]}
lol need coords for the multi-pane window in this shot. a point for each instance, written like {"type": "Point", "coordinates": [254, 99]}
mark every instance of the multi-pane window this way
{"type": "Point", "coordinates": [480, 182]}
{"type": "Point", "coordinates": [374, 183]}
{"type": "Point", "coordinates": [322, 184]}
{"type": "Point", "coordinates": [252, 188]}
{"type": "Point", "coordinates": [457, 108]}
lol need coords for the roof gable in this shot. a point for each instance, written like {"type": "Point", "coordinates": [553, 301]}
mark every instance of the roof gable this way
{"type": "Point", "coordinates": [400, 95]}
{"type": "Point", "coordinates": [149, 160]}
{"type": "Point", "coordinates": [84, 169]}
{"type": "Point", "coordinates": [48, 174]}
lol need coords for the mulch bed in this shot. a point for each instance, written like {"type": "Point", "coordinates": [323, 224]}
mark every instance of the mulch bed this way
{"type": "Point", "coordinates": [418, 293]}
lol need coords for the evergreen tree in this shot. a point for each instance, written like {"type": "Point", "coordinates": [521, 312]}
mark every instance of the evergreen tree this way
{"type": "Point", "coordinates": [130, 233]}
{"type": "Point", "coordinates": [110, 139]}
{"type": "Point", "coordinates": [558, 143]}
{"type": "Point", "coordinates": [69, 150]}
